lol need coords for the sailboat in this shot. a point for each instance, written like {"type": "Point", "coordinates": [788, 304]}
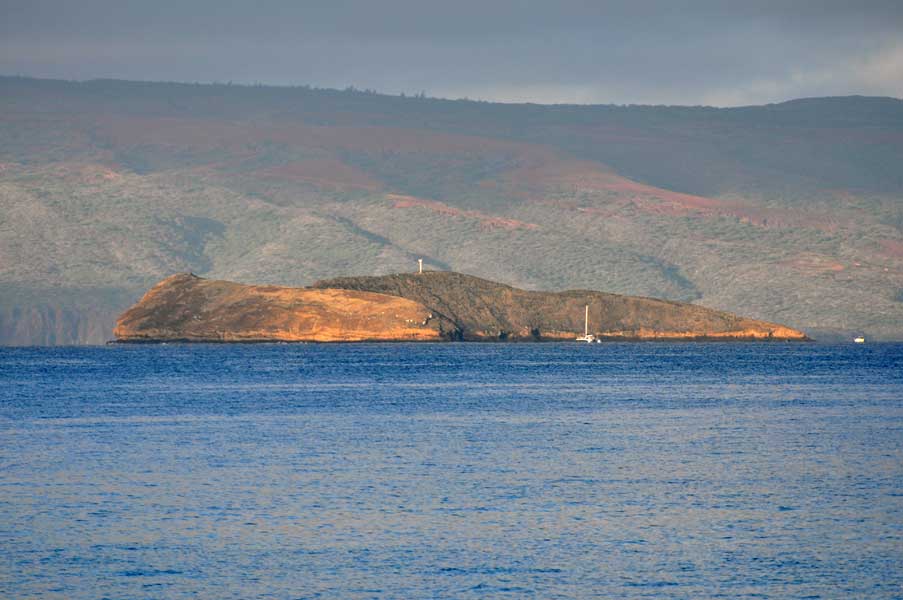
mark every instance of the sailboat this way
{"type": "Point", "coordinates": [587, 336]}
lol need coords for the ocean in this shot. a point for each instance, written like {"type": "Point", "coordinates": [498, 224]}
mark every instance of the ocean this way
{"type": "Point", "coordinates": [692, 470]}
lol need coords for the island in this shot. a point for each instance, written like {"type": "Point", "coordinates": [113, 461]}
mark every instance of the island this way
{"type": "Point", "coordinates": [430, 306]}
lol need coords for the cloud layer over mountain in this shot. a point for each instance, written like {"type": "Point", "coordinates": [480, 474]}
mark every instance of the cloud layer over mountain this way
{"type": "Point", "coordinates": [654, 51]}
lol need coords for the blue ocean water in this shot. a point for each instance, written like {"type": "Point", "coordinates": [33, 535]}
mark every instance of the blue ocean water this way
{"type": "Point", "coordinates": [452, 471]}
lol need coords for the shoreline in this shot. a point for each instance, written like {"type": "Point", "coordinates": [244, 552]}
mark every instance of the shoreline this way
{"type": "Point", "coordinates": [604, 340]}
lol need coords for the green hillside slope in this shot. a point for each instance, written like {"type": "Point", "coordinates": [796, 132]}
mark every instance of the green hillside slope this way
{"type": "Point", "coordinates": [790, 213]}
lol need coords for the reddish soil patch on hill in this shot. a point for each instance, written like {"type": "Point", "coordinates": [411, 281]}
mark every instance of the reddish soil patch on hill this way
{"type": "Point", "coordinates": [536, 181]}
{"type": "Point", "coordinates": [892, 248]}
{"type": "Point", "coordinates": [85, 173]}
{"type": "Point", "coordinates": [539, 170]}
{"type": "Point", "coordinates": [173, 132]}
{"type": "Point", "coordinates": [485, 220]}
{"type": "Point", "coordinates": [576, 176]}
{"type": "Point", "coordinates": [813, 264]}
{"type": "Point", "coordinates": [323, 172]}
{"type": "Point", "coordinates": [236, 137]}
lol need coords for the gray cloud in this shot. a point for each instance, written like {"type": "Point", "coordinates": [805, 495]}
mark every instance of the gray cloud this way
{"type": "Point", "coordinates": [660, 52]}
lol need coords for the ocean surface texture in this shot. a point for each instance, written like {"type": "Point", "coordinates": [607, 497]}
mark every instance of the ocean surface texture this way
{"type": "Point", "coordinates": [452, 471]}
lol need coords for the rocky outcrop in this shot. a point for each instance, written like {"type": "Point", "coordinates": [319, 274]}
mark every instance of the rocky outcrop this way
{"type": "Point", "coordinates": [478, 309]}
{"type": "Point", "coordinates": [430, 306]}
{"type": "Point", "coordinates": [188, 308]}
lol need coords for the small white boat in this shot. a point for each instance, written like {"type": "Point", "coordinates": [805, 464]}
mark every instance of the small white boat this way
{"type": "Point", "coordinates": [587, 336]}
{"type": "Point", "coordinates": [859, 340]}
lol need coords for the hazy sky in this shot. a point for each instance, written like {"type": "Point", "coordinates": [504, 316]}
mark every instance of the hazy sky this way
{"type": "Point", "coordinates": [651, 52]}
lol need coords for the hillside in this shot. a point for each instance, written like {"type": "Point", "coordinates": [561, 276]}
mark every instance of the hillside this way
{"type": "Point", "coordinates": [429, 306]}
{"type": "Point", "coordinates": [790, 213]}
{"type": "Point", "coordinates": [479, 309]}
{"type": "Point", "coordinates": [187, 308]}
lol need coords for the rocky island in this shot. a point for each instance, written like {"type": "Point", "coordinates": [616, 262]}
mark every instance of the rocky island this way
{"type": "Point", "coordinates": [428, 306]}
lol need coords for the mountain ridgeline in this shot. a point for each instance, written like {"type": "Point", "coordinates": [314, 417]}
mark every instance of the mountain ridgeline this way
{"type": "Point", "coordinates": [428, 306]}
{"type": "Point", "coordinates": [790, 212]}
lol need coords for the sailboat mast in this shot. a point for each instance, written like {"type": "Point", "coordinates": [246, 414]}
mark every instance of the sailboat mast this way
{"type": "Point", "coordinates": [586, 322]}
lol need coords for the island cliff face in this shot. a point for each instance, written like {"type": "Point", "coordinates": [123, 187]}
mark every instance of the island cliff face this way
{"type": "Point", "coordinates": [429, 306]}
{"type": "Point", "coordinates": [478, 309]}
{"type": "Point", "coordinates": [185, 307]}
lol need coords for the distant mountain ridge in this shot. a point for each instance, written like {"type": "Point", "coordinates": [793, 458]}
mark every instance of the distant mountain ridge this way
{"type": "Point", "coordinates": [790, 212]}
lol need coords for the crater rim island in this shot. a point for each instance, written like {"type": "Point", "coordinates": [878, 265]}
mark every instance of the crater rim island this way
{"type": "Point", "coordinates": [431, 306]}
{"type": "Point", "coordinates": [788, 212]}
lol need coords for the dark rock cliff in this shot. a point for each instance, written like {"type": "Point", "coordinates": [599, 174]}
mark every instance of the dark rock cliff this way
{"type": "Point", "coordinates": [478, 309]}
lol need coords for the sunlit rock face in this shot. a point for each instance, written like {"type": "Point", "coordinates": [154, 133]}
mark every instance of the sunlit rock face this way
{"type": "Point", "coordinates": [189, 308]}
{"type": "Point", "coordinates": [429, 306]}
